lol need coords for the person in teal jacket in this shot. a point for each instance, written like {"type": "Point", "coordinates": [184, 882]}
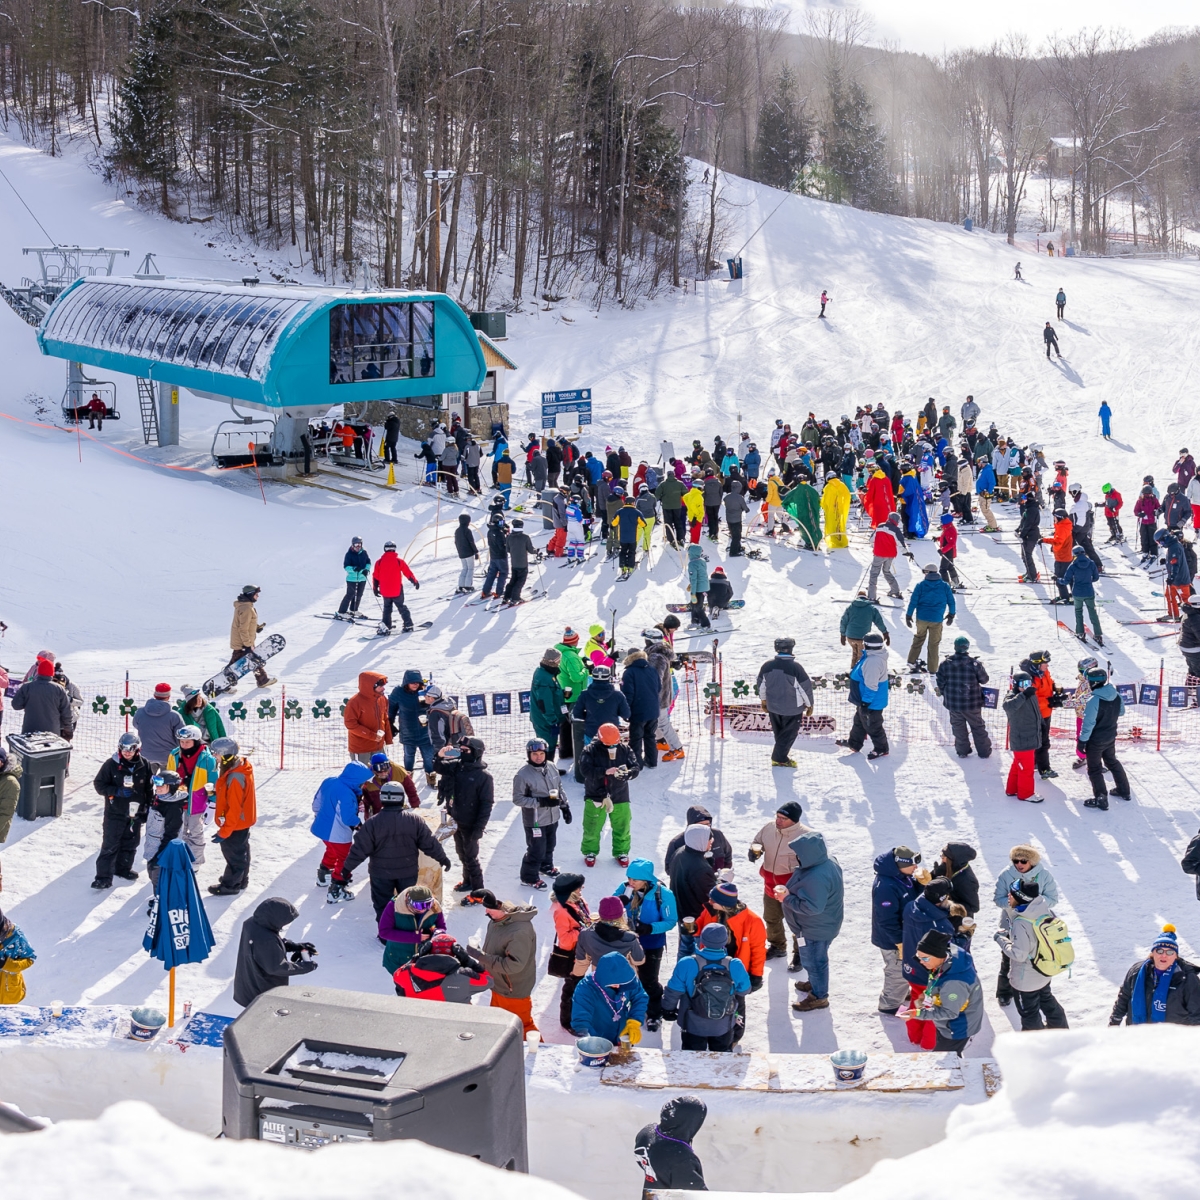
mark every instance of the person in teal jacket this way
{"type": "Point", "coordinates": [856, 623]}
{"type": "Point", "coordinates": [609, 1001]}
{"type": "Point", "coordinates": [651, 912]}
{"type": "Point", "coordinates": [547, 700]}
{"type": "Point", "coordinates": [698, 585]}
{"type": "Point", "coordinates": [196, 709]}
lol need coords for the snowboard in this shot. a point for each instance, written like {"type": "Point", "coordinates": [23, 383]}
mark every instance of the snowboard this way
{"type": "Point", "coordinates": [227, 680]}
{"type": "Point", "coordinates": [396, 632]}
{"type": "Point", "coordinates": [682, 608]}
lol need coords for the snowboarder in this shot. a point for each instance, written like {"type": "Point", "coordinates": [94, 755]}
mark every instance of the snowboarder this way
{"type": "Point", "coordinates": [387, 581]}
{"type": "Point", "coordinates": [1060, 302]}
{"type": "Point", "coordinates": [786, 692]}
{"type": "Point", "coordinates": [355, 563]}
{"type": "Point", "coordinates": [1051, 339]}
{"type": "Point", "coordinates": [664, 1150]}
{"type": "Point", "coordinates": [244, 632]}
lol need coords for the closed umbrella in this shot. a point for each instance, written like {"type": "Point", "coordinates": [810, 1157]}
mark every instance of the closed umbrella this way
{"type": "Point", "coordinates": [179, 931]}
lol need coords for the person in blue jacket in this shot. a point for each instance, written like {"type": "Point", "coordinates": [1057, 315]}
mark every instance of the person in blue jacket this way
{"type": "Point", "coordinates": [357, 564]}
{"type": "Point", "coordinates": [1105, 418]}
{"type": "Point", "coordinates": [921, 914]}
{"type": "Point", "coordinates": [985, 488]}
{"type": "Point", "coordinates": [752, 463]}
{"type": "Point", "coordinates": [610, 1001]}
{"type": "Point", "coordinates": [932, 601]}
{"type": "Point", "coordinates": [712, 1029]}
{"type": "Point", "coordinates": [641, 685]}
{"type": "Point", "coordinates": [953, 998]}
{"type": "Point", "coordinates": [406, 707]}
{"type": "Point", "coordinates": [894, 888]}
{"type": "Point", "coordinates": [336, 806]}
{"type": "Point", "coordinates": [916, 520]}
{"type": "Point", "coordinates": [600, 703]}
{"type": "Point", "coordinates": [869, 694]}
{"type": "Point", "coordinates": [1080, 577]}
{"type": "Point", "coordinates": [813, 906]}
{"type": "Point", "coordinates": [651, 913]}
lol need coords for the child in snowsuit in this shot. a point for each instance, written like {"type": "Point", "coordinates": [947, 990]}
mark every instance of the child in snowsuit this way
{"type": "Point", "coordinates": [948, 549]}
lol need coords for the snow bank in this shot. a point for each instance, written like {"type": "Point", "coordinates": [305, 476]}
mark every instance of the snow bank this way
{"type": "Point", "coordinates": [1107, 1113]}
{"type": "Point", "coordinates": [133, 1152]}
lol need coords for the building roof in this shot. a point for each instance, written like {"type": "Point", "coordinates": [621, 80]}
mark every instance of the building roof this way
{"type": "Point", "coordinates": [492, 354]}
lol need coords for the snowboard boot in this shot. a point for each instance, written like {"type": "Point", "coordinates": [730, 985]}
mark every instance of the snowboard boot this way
{"type": "Point", "coordinates": [101, 884]}
{"type": "Point", "coordinates": [322, 877]}
{"type": "Point", "coordinates": [130, 875]}
{"type": "Point", "coordinates": [1048, 773]}
{"type": "Point", "coordinates": [338, 893]}
{"type": "Point", "coordinates": [219, 889]}
{"type": "Point", "coordinates": [1100, 802]}
{"type": "Point", "coordinates": [1120, 795]}
{"type": "Point", "coordinates": [872, 755]}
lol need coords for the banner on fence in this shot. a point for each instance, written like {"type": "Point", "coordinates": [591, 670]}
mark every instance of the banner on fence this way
{"type": "Point", "coordinates": [477, 705]}
{"type": "Point", "coordinates": [501, 704]}
{"type": "Point", "coordinates": [523, 700]}
{"type": "Point", "coordinates": [991, 697]}
{"type": "Point", "coordinates": [1128, 693]}
{"type": "Point", "coordinates": [1148, 695]}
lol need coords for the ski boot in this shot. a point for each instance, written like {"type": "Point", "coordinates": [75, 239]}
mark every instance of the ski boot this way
{"type": "Point", "coordinates": [338, 893]}
{"type": "Point", "coordinates": [323, 874]}
{"type": "Point", "coordinates": [872, 755]}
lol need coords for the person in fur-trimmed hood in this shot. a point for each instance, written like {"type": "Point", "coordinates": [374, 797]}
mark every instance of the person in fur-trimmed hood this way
{"type": "Point", "coordinates": [1026, 863]}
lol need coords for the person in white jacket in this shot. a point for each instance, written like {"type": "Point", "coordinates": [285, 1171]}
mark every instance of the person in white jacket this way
{"type": "Point", "coordinates": [1017, 938]}
{"type": "Point", "coordinates": [1025, 863]}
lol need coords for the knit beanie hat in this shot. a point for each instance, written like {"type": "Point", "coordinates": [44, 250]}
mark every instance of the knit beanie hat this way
{"type": "Point", "coordinates": [1025, 890]}
{"type": "Point", "coordinates": [937, 890]}
{"type": "Point", "coordinates": [552, 656]}
{"type": "Point", "coordinates": [161, 690]}
{"type": "Point", "coordinates": [696, 837]}
{"type": "Point", "coordinates": [570, 637]}
{"type": "Point", "coordinates": [1166, 940]}
{"type": "Point", "coordinates": [484, 896]}
{"type": "Point", "coordinates": [611, 909]}
{"type": "Point", "coordinates": [791, 810]}
{"type": "Point", "coordinates": [565, 884]}
{"type": "Point", "coordinates": [935, 943]}
{"type": "Point", "coordinates": [724, 895]}
{"type": "Point", "coordinates": [962, 643]}
{"type": "Point", "coordinates": [930, 568]}
{"type": "Point", "coordinates": [714, 937]}
{"type": "Point", "coordinates": [904, 857]}
{"type": "Point", "coordinates": [45, 669]}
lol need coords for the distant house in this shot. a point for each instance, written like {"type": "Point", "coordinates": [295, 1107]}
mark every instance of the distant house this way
{"type": "Point", "coordinates": [1061, 155]}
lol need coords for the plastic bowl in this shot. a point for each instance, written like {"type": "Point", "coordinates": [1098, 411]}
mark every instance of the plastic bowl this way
{"type": "Point", "coordinates": [848, 1065]}
{"type": "Point", "coordinates": [593, 1051]}
{"type": "Point", "coordinates": [144, 1023]}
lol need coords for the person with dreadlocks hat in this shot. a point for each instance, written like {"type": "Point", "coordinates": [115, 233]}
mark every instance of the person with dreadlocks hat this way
{"type": "Point", "coordinates": [1162, 988]}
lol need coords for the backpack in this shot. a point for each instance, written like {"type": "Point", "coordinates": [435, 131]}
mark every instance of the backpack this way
{"type": "Point", "coordinates": [713, 997]}
{"type": "Point", "coordinates": [1189, 552]}
{"type": "Point", "coordinates": [1054, 952]}
{"type": "Point", "coordinates": [461, 724]}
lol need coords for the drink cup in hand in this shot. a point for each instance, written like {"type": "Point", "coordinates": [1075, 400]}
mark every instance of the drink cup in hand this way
{"type": "Point", "coordinates": [779, 892]}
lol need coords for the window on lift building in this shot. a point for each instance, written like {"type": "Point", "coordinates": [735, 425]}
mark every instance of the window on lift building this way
{"type": "Point", "coordinates": [380, 341]}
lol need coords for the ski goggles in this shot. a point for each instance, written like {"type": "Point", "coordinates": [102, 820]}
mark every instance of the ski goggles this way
{"type": "Point", "coordinates": [420, 906]}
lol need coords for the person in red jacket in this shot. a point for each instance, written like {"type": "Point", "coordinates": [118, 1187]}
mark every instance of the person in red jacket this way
{"type": "Point", "coordinates": [387, 581]}
{"type": "Point", "coordinates": [948, 549]}
{"type": "Point", "coordinates": [885, 546]}
{"type": "Point", "coordinates": [1112, 513]}
{"type": "Point", "coordinates": [442, 970]}
{"type": "Point", "coordinates": [96, 411]}
{"type": "Point", "coordinates": [880, 500]}
{"type": "Point", "coordinates": [1062, 541]}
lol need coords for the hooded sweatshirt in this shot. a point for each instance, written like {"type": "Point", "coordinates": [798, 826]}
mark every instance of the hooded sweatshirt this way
{"type": "Point", "coordinates": [336, 804]}
{"type": "Point", "coordinates": [664, 1150]}
{"type": "Point", "coordinates": [366, 716]}
{"type": "Point", "coordinates": [654, 909]}
{"type": "Point", "coordinates": [813, 908]}
{"type": "Point", "coordinates": [598, 1009]}
{"type": "Point", "coordinates": [510, 951]}
{"type": "Point", "coordinates": [405, 708]}
{"type": "Point", "coordinates": [262, 960]}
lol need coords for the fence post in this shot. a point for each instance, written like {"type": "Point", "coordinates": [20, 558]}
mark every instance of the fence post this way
{"type": "Point", "coordinates": [282, 721]}
{"type": "Point", "coordinates": [1158, 739]}
{"type": "Point", "coordinates": [721, 695]}
{"type": "Point", "coordinates": [127, 697]}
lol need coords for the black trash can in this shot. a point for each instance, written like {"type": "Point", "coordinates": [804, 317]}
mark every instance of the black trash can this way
{"type": "Point", "coordinates": [44, 761]}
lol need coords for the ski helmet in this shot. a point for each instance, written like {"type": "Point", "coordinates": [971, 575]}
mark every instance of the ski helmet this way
{"type": "Point", "coordinates": [535, 746]}
{"type": "Point", "coordinates": [356, 541]}
{"type": "Point", "coordinates": [1075, 489]}
{"type": "Point", "coordinates": [168, 779]}
{"type": "Point", "coordinates": [392, 793]}
{"type": "Point", "coordinates": [190, 733]}
{"type": "Point", "coordinates": [225, 747]}
{"type": "Point", "coordinates": [602, 671]}
{"type": "Point", "coordinates": [1086, 664]}
{"type": "Point", "coordinates": [1106, 488]}
{"type": "Point", "coordinates": [129, 741]}
{"type": "Point", "coordinates": [1097, 677]}
{"type": "Point", "coordinates": [389, 545]}
{"type": "Point", "coordinates": [608, 734]}
{"type": "Point", "coordinates": [785, 645]}
{"type": "Point", "coordinates": [1021, 680]}
{"type": "Point", "coordinates": [379, 761]}
{"type": "Point", "coordinates": [1039, 658]}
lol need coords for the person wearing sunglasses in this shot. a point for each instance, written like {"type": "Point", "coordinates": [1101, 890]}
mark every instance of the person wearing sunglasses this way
{"type": "Point", "coordinates": [124, 782]}
{"type": "Point", "coordinates": [953, 997]}
{"type": "Point", "coordinates": [1026, 863]}
{"type": "Point", "coordinates": [408, 920]}
{"type": "Point", "coordinates": [1161, 988]}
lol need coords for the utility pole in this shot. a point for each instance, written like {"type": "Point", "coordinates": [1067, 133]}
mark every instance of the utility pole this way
{"type": "Point", "coordinates": [435, 250]}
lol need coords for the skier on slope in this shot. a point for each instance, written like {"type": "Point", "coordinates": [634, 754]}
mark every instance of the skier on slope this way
{"type": "Point", "coordinates": [1105, 415]}
{"type": "Point", "coordinates": [387, 581]}
{"type": "Point", "coordinates": [824, 301]}
{"type": "Point", "coordinates": [1051, 339]}
{"type": "Point", "coordinates": [355, 563]}
{"type": "Point", "coordinates": [1060, 302]}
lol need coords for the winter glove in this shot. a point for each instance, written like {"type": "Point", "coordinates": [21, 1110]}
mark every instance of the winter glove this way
{"type": "Point", "coordinates": [1081, 747]}
{"type": "Point", "coordinates": [260, 628]}
{"type": "Point", "coordinates": [949, 618]}
{"type": "Point", "coordinates": [416, 586]}
{"type": "Point", "coordinates": [642, 929]}
{"type": "Point", "coordinates": [908, 621]}
{"type": "Point", "coordinates": [756, 982]}
{"type": "Point", "coordinates": [304, 968]}
{"type": "Point", "coordinates": [670, 1015]}
{"type": "Point", "coordinates": [566, 815]}
{"type": "Point", "coordinates": [215, 839]}
{"type": "Point", "coordinates": [843, 636]}
{"type": "Point", "coordinates": [887, 639]}
{"type": "Point", "coordinates": [632, 1030]}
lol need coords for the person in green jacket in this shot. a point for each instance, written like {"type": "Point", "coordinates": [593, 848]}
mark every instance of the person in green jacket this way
{"type": "Point", "coordinates": [546, 700]}
{"type": "Point", "coordinates": [670, 496]}
{"type": "Point", "coordinates": [573, 678]}
{"type": "Point", "coordinates": [196, 710]}
{"type": "Point", "coordinates": [857, 620]}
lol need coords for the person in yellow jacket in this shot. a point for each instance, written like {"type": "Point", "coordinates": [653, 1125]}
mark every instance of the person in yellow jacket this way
{"type": "Point", "coordinates": [776, 515]}
{"type": "Point", "coordinates": [693, 503]}
{"type": "Point", "coordinates": [16, 957]}
{"type": "Point", "coordinates": [835, 503]}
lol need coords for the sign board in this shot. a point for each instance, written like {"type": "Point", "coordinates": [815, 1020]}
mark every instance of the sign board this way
{"type": "Point", "coordinates": [577, 402]}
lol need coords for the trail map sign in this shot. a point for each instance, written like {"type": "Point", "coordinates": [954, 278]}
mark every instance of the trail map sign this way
{"type": "Point", "coordinates": [577, 402]}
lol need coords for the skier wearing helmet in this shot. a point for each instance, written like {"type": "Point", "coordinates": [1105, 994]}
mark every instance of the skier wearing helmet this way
{"type": "Point", "coordinates": [194, 763]}
{"type": "Point", "coordinates": [124, 782]}
{"type": "Point", "coordinates": [538, 792]}
{"type": "Point", "coordinates": [607, 764]}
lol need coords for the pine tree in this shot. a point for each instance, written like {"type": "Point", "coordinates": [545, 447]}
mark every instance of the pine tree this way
{"type": "Point", "coordinates": [855, 148]}
{"type": "Point", "coordinates": [144, 121]}
{"type": "Point", "coordinates": [782, 144]}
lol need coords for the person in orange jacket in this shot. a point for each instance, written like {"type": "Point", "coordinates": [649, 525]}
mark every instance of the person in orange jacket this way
{"type": "Point", "coordinates": [236, 814]}
{"type": "Point", "coordinates": [1061, 542]}
{"type": "Point", "coordinates": [747, 938]}
{"type": "Point", "coordinates": [366, 718]}
{"type": "Point", "coordinates": [1049, 697]}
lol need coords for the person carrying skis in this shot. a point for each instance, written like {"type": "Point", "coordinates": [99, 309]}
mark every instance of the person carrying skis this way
{"type": "Point", "coordinates": [1060, 303]}
{"type": "Point", "coordinates": [387, 581]}
{"type": "Point", "coordinates": [355, 563]}
{"type": "Point", "coordinates": [1112, 514]}
{"type": "Point", "coordinates": [1081, 578]}
{"type": "Point", "coordinates": [932, 601]}
{"type": "Point", "coordinates": [1051, 339]}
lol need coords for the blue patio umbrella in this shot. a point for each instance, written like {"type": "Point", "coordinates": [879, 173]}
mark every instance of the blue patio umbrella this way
{"type": "Point", "coordinates": [179, 931]}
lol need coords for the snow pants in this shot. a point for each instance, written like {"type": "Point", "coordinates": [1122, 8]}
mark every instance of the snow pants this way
{"type": "Point", "coordinates": [985, 508]}
{"type": "Point", "coordinates": [466, 572]}
{"type": "Point", "coordinates": [1090, 602]}
{"type": "Point", "coordinates": [523, 1009]}
{"type": "Point", "coordinates": [235, 849]}
{"type": "Point", "coordinates": [594, 817]}
{"type": "Point", "coordinates": [539, 851]}
{"type": "Point", "coordinates": [1020, 775]}
{"type": "Point", "coordinates": [885, 565]}
{"type": "Point", "coordinates": [667, 733]}
{"type": "Point", "coordinates": [1034, 1006]}
{"type": "Point", "coordinates": [1099, 757]}
{"type": "Point", "coordinates": [119, 846]}
{"type": "Point", "coordinates": [396, 602]}
{"type": "Point", "coordinates": [868, 723]}
{"type": "Point", "coordinates": [353, 597]}
{"type": "Point", "coordinates": [334, 858]}
{"type": "Point", "coordinates": [496, 576]}
{"type": "Point", "coordinates": [895, 989]}
{"type": "Point", "coordinates": [966, 724]}
{"type": "Point", "coordinates": [932, 629]}
{"type": "Point", "coordinates": [786, 729]}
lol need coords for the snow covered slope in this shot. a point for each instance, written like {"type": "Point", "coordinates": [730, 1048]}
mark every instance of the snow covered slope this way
{"type": "Point", "coordinates": [119, 563]}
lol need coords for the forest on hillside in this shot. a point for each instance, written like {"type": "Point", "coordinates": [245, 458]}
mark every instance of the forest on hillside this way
{"type": "Point", "coordinates": [561, 130]}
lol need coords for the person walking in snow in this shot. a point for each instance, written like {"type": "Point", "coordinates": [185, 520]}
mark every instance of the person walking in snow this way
{"type": "Point", "coordinates": [1051, 339]}
{"type": "Point", "coordinates": [786, 692]}
{"type": "Point", "coordinates": [244, 631]}
{"type": "Point", "coordinates": [1017, 937]}
{"type": "Point", "coordinates": [356, 564]}
{"type": "Point", "coordinates": [960, 679]}
{"type": "Point", "coordinates": [1060, 303]}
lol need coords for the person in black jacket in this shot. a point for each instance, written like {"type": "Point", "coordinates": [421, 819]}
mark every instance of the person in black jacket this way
{"type": "Point", "coordinates": [720, 591]}
{"type": "Point", "coordinates": [391, 843]}
{"type": "Point", "coordinates": [960, 679]}
{"type": "Point", "coordinates": [1162, 988]}
{"type": "Point", "coordinates": [956, 867]}
{"type": "Point", "coordinates": [356, 563]}
{"type": "Point", "coordinates": [664, 1151]}
{"type": "Point", "coordinates": [692, 878]}
{"type": "Point", "coordinates": [519, 550]}
{"type": "Point", "coordinates": [467, 790]}
{"type": "Point", "coordinates": [721, 854]}
{"type": "Point", "coordinates": [468, 555]}
{"type": "Point", "coordinates": [1029, 532]}
{"type": "Point", "coordinates": [391, 435]}
{"type": "Point", "coordinates": [1191, 861]}
{"type": "Point", "coordinates": [124, 782]}
{"type": "Point", "coordinates": [607, 765]}
{"type": "Point", "coordinates": [497, 568]}
{"type": "Point", "coordinates": [263, 960]}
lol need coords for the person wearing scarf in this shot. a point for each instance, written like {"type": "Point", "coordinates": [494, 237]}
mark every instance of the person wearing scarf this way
{"type": "Point", "coordinates": [1162, 988]}
{"type": "Point", "coordinates": [610, 1001]}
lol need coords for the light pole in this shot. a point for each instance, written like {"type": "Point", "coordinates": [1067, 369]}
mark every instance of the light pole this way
{"type": "Point", "coordinates": [435, 253]}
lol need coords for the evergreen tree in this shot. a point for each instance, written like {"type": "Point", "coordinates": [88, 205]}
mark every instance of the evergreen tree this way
{"type": "Point", "coordinates": [144, 121]}
{"type": "Point", "coordinates": [855, 148]}
{"type": "Point", "coordinates": [781, 147]}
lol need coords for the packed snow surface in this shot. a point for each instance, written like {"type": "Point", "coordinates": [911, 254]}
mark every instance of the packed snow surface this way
{"type": "Point", "coordinates": [119, 563]}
